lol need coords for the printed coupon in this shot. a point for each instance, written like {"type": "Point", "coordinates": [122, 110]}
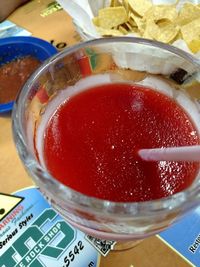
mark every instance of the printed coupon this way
{"type": "Point", "coordinates": [33, 234]}
{"type": "Point", "coordinates": [184, 238]}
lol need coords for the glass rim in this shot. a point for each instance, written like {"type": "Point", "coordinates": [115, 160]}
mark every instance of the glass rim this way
{"type": "Point", "coordinates": [171, 202]}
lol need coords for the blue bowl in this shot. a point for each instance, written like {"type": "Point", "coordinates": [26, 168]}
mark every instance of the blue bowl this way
{"type": "Point", "coordinates": [14, 47]}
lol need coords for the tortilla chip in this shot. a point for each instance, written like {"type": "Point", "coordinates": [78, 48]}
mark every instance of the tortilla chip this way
{"type": "Point", "coordinates": [112, 16]}
{"type": "Point", "coordinates": [123, 29]}
{"type": "Point", "coordinates": [162, 12]}
{"type": "Point", "coordinates": [194, 46]}
{"type": "Point", "coordinates": [128, 26]}
{"type": "Point", "coordinates": [126, 5]}
{"type": "Point", "coordinates": [137, 21]}
{"type": "Point", "coordinates": [140, 7]}
{"type": "Point", "coordinates": [95, 20]}
{"type": "Point", "coordinates": [151, 30]}
{"type": "Point", "coordinates": [164, 33]}
{"type": "Point", "coordinates": [111, 32]}
{"type": "Point", "coordinates": [168, 32]}
{"type": "Point", "coordinates": [188, 13]}
{"type": "Point", "coordinates": [191, 31]}
{"type": "Point", "coordinates": [115, 3]}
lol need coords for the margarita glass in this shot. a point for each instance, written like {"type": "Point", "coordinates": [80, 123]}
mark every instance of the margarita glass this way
{"type": "Point", "coordinates": [164, 68]}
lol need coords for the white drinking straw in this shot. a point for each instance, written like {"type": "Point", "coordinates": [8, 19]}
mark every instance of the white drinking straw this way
{"type": "Point", "coordinates": [184, 153]}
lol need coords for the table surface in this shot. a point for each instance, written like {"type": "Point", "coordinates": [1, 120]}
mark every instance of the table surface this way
{"type": "Point", "coordinates": [58, 29]}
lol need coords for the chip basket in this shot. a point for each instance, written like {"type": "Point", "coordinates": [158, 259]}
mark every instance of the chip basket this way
{"type": "Point", "coordinates": [83, 13]}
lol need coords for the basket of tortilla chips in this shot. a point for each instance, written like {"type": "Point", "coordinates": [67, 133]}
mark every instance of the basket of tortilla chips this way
{"type": "Point", "coordinates": [172, 22]}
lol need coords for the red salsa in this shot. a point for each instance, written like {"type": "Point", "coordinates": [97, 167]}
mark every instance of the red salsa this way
{"type": "Point", "coordinates": [90, 143]}
{"type": "Point", "coordinates": [13, 75]}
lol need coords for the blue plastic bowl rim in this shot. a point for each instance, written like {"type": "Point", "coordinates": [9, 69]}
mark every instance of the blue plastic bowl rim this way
{"type": "Point", "coordinates": [29, 40]}
{"type": "Point", "coordinates": [49, 48]}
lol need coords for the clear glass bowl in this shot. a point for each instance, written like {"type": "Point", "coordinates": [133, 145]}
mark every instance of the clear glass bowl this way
{"type": "Point", "coordinates": [101, 218]}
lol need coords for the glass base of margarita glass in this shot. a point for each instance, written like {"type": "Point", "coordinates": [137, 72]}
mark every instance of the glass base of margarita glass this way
{"type": "Point", "coordinates": [126, 245]}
